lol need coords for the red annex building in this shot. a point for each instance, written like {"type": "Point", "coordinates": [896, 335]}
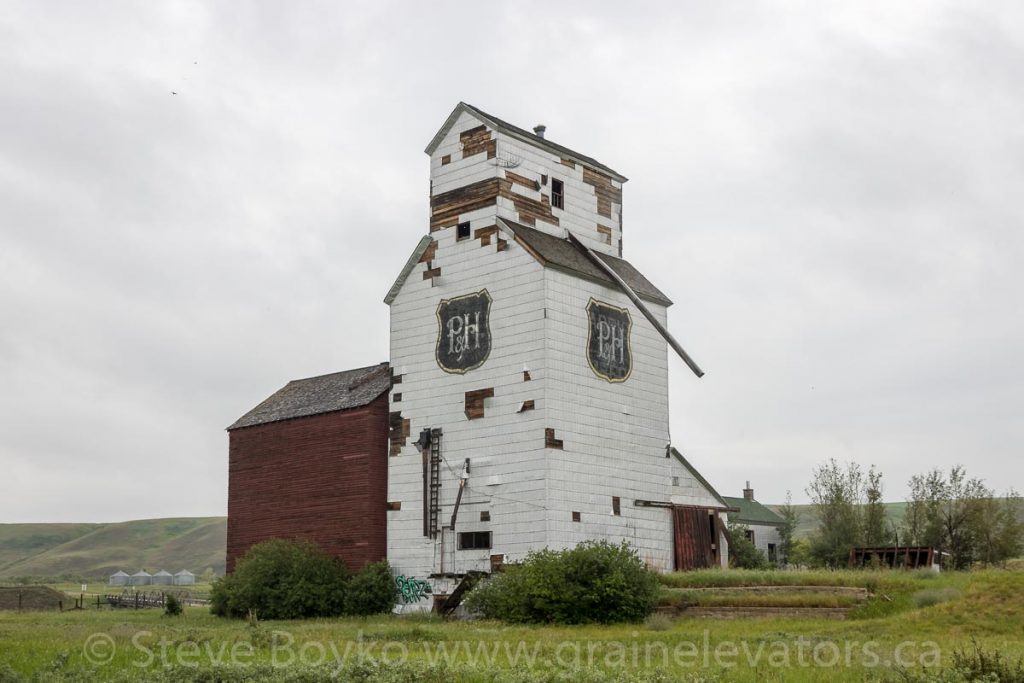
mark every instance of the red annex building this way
{"type": "Point", "coordinates": [311, 462]}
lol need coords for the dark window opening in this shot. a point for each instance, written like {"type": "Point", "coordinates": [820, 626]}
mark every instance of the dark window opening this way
{"type": "Point", "coordinates": [749, 533]}
{"type": "Point", "coordinates": [772, 554]}
{"type": "Point", "coordinates": [616, 509]}
{"type": "Point", "coordinates": [575, 516]}
{"type": "Point", "coordinates": [475, 540]}
{"type": "Point", "coordinates": [557, 194]}
{"type": "Point", "coordinates": [485, 516]}
{"type": "Point", "coordinates": [675, 481]}
{"type": "Point", "coordinates": [462, 231]}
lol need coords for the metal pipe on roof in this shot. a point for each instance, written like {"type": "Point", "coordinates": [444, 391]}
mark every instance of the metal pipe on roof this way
{"type": "Point", "coordinates": [599, 262]}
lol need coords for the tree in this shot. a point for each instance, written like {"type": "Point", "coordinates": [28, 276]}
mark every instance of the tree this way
{"type": "Point", "coordinates": [960, 515]}
{"type": "Point", "coordinates": [875, 533]}
{"type": "Point", "coordinates": [742, 552]}
{"type": "Point", "coordinates": [837, 494]}
{"type": "Point", "coordinates": [791, 518]}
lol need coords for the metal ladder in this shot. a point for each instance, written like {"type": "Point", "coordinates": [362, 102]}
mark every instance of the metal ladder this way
{"type": "Point", "coordinates": [435, 480]}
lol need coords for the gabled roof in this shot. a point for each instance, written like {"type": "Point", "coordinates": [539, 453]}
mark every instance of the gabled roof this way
{"type": "Point", "coordinates": [555, 252]}
{"type": "Point", "coordinates": [317, 395]}
{"type": "Point", "coordinates": [142, 572]}
{"type": "Point", "coordinates": [521, 134]}
{"type": "Point", "coordinates": [752, 512]}
{"type": "Point", "coordinates": [184, 572]}
{"type": "Point", "coordinates": [120, 573]}
{"type": "Point", "coordinates": [413, 259]}
{"type": "Point", "coordinates": [162, 572]}
{"type": "Point", "coordinates": [699, 477]}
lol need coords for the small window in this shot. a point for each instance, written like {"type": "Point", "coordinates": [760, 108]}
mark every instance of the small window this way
{"type": "Point", "coordinates": [462, 231]}
{"type": "Point", "coordinates": [675, 481]}
{"type": "Point", "coordinates": [616, 508]}
{"type": "Point", "coordinates": [485, 516]}
{"type": "Point", "coordinates": [575, 516]}
{"type": "Point", "coordinates": [557, 194]}
{"type": "Point", "coordinates": [475, 540]}
{"type": "Point", "coordinates": [749, 533]}
{"type": "Point", "coordinates": [773, 555]}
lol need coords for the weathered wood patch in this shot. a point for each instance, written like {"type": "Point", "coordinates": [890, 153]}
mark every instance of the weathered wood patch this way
{"type": "Point", "coordinates": [445, 208]}
{"type": "Point", "coordinates": [475, 402]}
{"type": "Point", "coordinates": [477, 140]}
{"type": "Point", "coordinates": [605, 191]}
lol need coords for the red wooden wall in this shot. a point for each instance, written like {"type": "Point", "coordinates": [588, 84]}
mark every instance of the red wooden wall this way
{"type": "Point", "coordinates": [322, 478]}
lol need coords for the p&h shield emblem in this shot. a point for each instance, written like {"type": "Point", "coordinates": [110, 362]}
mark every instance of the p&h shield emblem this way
{"type": "Point", "coordinates": [463, 332]}
{"type": "Point", "coordinates": [608, 347]}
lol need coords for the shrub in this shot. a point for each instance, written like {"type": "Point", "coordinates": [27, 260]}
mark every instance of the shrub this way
{"type": "Point", "coordinates": [371, 591]}
{"type": "Point", "coordinates": [742, 553]}
{"type": "Point", "coordinates": [281, 579]}
{"type": "Point", "coordinates": [172, 605]}
{"type": "Point", "coordinates": [593, 582]}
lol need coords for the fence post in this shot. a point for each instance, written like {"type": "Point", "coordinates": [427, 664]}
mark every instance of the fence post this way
{"type": "Point", "coordinates": [19, 601]}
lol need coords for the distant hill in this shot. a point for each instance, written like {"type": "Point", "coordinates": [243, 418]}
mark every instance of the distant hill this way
{"type": "Point", "coordinates": [809, 517]}
{"type": "Point", "coordinates": [98, 550]}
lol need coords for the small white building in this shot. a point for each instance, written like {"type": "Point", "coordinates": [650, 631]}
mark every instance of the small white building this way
{"type": "Point", "coordinates": [184, 578]}
{"type": "Point", "coordinates": [119, 578]}
{"type": "Point", "coordinates": [762, 524]}
{"type": "Point", "coordinates": [530, 361]}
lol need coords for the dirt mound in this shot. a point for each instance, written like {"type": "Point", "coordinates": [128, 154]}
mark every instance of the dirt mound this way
{"type": "Point", "coordinates": [31, 598]}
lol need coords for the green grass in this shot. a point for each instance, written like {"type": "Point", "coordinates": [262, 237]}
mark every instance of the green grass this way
{"type": "Point", "coordinates": [677, 597]}
{"type": "Point", "coordinates": [988, 607]}
{"type": "Point", "coordinates": [98, 550]}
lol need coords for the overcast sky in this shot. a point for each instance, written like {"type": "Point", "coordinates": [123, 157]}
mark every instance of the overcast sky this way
{"type": "Point", "coordinates": [831, 194]}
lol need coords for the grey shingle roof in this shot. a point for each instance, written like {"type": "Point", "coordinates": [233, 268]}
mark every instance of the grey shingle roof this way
{"type": "Point", "coordinates": [317, 395]}
{"type": "Point", "coordinates": [522, 134]}
{"type": "Point", "coordinates": [560, 253]}
{"type": "Point", "coordinates": [752, 512]}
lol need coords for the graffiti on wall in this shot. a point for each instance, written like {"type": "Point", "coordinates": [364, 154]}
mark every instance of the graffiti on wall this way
{"type": "Point", "coordinates": [412, 590]}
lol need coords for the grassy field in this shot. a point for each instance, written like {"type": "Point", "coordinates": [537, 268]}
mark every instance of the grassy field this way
{"type": "Point", "coordinates": [913, 619]}
{"type": "Point", "coordinates": [98, 550]}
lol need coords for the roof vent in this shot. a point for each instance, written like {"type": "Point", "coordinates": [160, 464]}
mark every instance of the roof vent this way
{"type": "Point", "coordinates": [539, 129]}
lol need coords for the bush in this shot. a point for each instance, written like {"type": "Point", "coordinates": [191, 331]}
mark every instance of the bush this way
{"type": "Point", "coordinates": [742, 553]}
{"type": "Point", "coordinates": [595, 582]}
{"type": "Point", "coordinates": [371, 591]}
{"type": "Point", "coordinates": [281, 579]}
{"type": "Point", "coordinates": [172, 605]}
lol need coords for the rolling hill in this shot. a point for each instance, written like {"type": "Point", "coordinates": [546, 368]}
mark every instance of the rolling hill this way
{"type": "Point", "coordinates": [809, 517]}
{"type": "Point", "coordinates": [97, 550]}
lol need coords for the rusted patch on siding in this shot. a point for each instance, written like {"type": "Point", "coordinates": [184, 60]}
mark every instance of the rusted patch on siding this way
{"type": "Point", "coordinates": [394, 505]}
{"type": "Point", "coordinates": [605, 191]}
{"type": "Point", "coordinates": [502, 244]}
{"type": "Point", "coordinates": [484, 234]}
{"type": "Point", "coordinates": [526, 375]}
{"type": "Point", "coordinates": [549, 439]}
{"type": "Point", "coordinates": [446, 159]}
{"type": "Point", "coordinates": [398, 433]}
{"type": "Point", "coordinates": [477, 140]}
{"type": "Point", "coordinates": [527, 405]}
{"type": "Point", "coordinates": [568, 162]}
{"type": "Point", "coordinates": [475, 402]}
{"type": "Point", "coordinates": [446, 207]}
{"type": "Point", "coordinates": [431, 273]}
{"type": "Point", "coordinates": [606, 231]}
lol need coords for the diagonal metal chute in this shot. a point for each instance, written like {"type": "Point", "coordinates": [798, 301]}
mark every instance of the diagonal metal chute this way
{"type": "Point", "coordinates": [599, 262]}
